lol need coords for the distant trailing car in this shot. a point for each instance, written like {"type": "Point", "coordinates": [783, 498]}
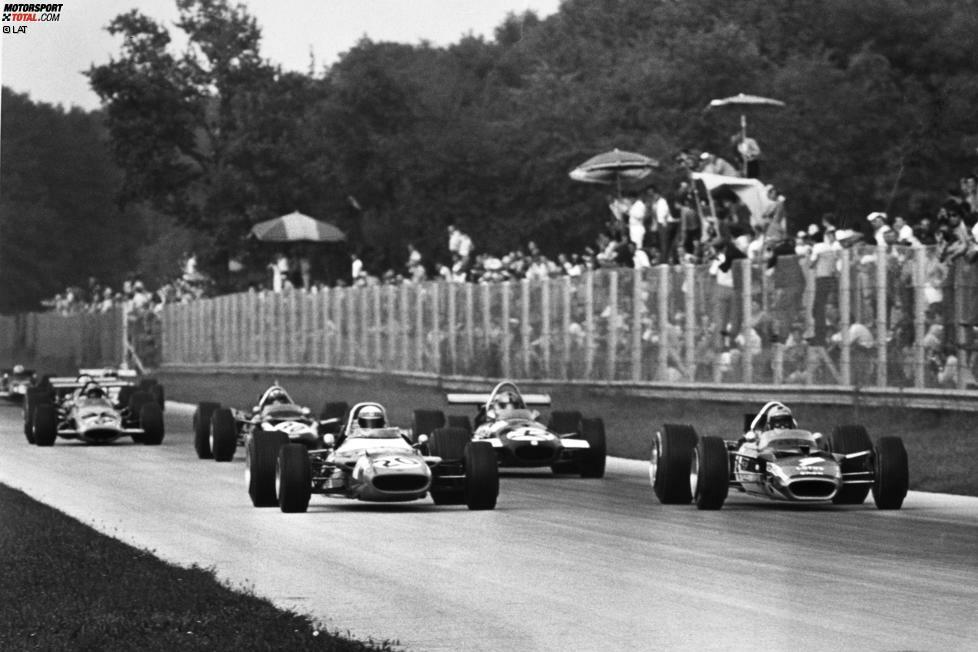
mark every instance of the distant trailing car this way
{"type": "Point", "coordinates": [218, 430]}
{"type": "Point", "coordinates": [93, 409]}
{"type": "Point", "coordinates": [568, 443]}
{"type": "Point", "coordinates": [370, 460]}
{"type": "Point", "coordinates": [15, 381]}
{"type": "Point", "coordinates": [775, 459]}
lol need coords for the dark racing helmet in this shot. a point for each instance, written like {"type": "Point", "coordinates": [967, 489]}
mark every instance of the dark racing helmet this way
{"type": "Point", "coordinates": [93, 390]}
{"type": "Point", "coordinates": [506, 401]}
{"type": "Point", "coordinates": [370, 416]}
{"type": "Point", "coordinates": [780, 417]}
{"type": "Point", "coordinates": [277, 396]}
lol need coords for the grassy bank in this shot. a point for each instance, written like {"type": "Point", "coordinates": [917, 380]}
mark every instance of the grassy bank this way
{"type": "Point", "coordinates": [938, 442]}
{"type": "Point", "coordinates": [64, 586]}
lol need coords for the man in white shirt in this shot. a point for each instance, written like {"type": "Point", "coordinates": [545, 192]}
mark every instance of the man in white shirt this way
{"type": "Point", "coordinates": [882, 233]}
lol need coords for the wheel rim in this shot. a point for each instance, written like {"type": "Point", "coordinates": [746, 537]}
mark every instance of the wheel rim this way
{"type": "Point", "coordinates": [210, 440]}
{"type": "Point", "coordinates": [654, 461]}
{"type": "Point", "coordinates": [694, 473]}
{"type": "Point", "coordinates": [247, 469]}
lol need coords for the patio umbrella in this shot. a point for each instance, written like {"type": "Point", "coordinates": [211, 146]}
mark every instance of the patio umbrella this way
{"type": "Point", "coordinates": [744, 103]}
{"type": "Point", "coordinates": [613, 167]}
{"type": "Point", "coordinates": [296, 227]}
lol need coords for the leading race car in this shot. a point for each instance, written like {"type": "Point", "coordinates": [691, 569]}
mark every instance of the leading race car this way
{"type": "Point", "coordinates": [94, 410]}
{"type": "Point", "coordinates": [776, 459]}
{"type": "Point", "coordinates": [370, 460]}
{"type": "Point", "coordinates": [15, 381]}
{"type": "Point", "coordinates": [218, 430]}
{"type": "Point", "coordinates": [568, 443]}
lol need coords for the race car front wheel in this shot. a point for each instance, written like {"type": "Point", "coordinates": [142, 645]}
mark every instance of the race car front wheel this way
{"type": "Point", "coordinates": [151, 421]}
{"type": "Point", "coordinates": [891, 473]}
{"type": "Point", "coordinates": [709, 475]}
{"type": "Point", "coordinates": [293, 478]}
{"type": "Point", "coordinates": [847, 440]}
{"type": "Point", "coordinates": [202, 429]}
{"type": "Point", "coordinates": [671, 460]}
{"type": "Point", "coordinates": [594, 458]}
{"type": "Point", "coordinates": [45, 425]}
{"type": "Point", "coordinates": [261, 457]}
{"type": "Point", "coordinates": [223, 435]}
{"type": "Point", "coordinates": [481, 476]}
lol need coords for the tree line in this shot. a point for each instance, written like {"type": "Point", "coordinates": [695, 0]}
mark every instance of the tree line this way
{"type": "Point", "coordinates": [394, 141]}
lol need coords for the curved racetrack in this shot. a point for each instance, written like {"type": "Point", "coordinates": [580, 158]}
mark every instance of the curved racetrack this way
{"type": "Point", "coordinates": [562, 563]}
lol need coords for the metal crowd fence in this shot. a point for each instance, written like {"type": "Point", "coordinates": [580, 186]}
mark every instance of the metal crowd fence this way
{"type": "Point", "coordinates": [895, 318]}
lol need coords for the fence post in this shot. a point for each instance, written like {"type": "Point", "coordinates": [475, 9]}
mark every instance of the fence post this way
{"type": "Point", "coordinates": [690, 326]}
{"type": "Point", "coordinates": [845, 315]}
{"type": "Point", "coordinates": [525, 326]}
{"type": "Point", "coordinates": [545, 330]}
{"type": "Point", "coordinates": [589, 326]}
{"type": "Point", "coordinates": [612, 361]}
{"type": "Point", "coordinates": [746, 313]}
{"type": "Point", "coordinates": [507, 368]}
{"type": "Point", "coordinates": [881, 314]}
{"type": "Point", "coordinates": [565, 322]}
{"type": "Point", "coordinates": [436, 331]}
{"type": "Point", "coordinates": [638, 309]}
{"type": "Point", "coordinates": [959, 322]}
{"type": "Point", "coordinates": [450, 287]}
{"type": "Point", "coordinates": [469, 327]}
{"type": "Point", "coordinates": [662, 319]}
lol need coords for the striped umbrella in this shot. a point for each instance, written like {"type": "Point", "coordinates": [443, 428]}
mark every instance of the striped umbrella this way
{"type": "Point", "coordinates": [613, 167]}
{"type": "Point", "coordinates": [296, 227]}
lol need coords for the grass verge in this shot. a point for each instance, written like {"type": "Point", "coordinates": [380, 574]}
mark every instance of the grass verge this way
{"type": "Point", "coordinates": [64, 586]}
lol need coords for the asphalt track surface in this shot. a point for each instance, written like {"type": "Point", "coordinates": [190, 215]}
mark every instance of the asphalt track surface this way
{"type": "Point", "coordinates": [562, 563]}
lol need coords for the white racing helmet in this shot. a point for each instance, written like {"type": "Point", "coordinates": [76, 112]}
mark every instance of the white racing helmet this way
{"type": "Point", "coordinates": [370, 416]}
{"type": "Point", "coordinates": [779, 416]}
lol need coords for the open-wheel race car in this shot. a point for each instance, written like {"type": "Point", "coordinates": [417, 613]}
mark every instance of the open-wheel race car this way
{"type": "Point", "coordinates": [775, 459]}
{"type": "Point", "coordinates": [369, 460]}
{"type": "Point", "coordinates": [95, 407]}
{"type": "Point", "coordinates": [567, 443]}
{"type": "Point", "coordinates": [15, 381]}
{"type": "Point", "coordinates": [218, 430]}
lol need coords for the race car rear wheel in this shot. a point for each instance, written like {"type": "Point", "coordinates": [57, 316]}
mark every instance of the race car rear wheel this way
{"type": "Point", "coordinates": [158, 395]}
{"type": "Point", "coordinates": [125, 394]}
{"type": "Point", "coordinates": [293, 478]}
{"type": "Point", "coordinates": [224, 435]}
{"type": "Point", "coordinates": [449, 443]}
{"type": "Point", "coordinates": [334, 410]}
{"type": "Point", "coordinates": [45, 425]}
{"type": "Point", "coordinates": [709, 475]}
{"type": "Point", "coordinates": [261, 458]}
{"type": "Point", "coordinates": [592, 461]}
{"type": "Point", "coordinates": [151, 421]}
{"type": "Point", "coordinates": [891, 473]}
{"type": "Point", "coordinates": [671, 460]}
{"type": "Point", "coordinates": [481, 476]}
{"type": "Point", "coordinates": [564, 422]}
{"type": "Point", "coordinates": [847, 440]}
{"type": "Point", "coordinates": [136, 403]}
{"type": "Point", "coordinates": [425, 422]}
{"type": "Point", "coordinates": [202, 429]}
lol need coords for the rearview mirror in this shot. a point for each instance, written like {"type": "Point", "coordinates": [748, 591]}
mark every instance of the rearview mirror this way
{"type": "Point", "coordinates": [329, 441]}
{"type": "Point", "coordinates": [750, 435]}
{"type": "Point", "coordinates": [305, 411]}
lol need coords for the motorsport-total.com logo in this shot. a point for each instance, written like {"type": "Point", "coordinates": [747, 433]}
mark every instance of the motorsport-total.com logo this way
{"type": "Point", "coordinates": [25, 13]}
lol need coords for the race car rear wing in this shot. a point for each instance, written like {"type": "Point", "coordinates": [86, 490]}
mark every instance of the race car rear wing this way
{"type": "Point", "coordinates": [72, 383]}
{"type": "Point", "coordinates": [108, 372]}
{"type": "Point", "coordinates": [482, 399]}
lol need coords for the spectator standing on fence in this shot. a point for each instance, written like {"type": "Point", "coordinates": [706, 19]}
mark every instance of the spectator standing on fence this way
{"type": "Point", "coordinates": [638, 214]}
{"type": "Point", "coordinates": [356, 266]}
{"type": "Point", "coordinates": [824, 263]}
{"type": "Point", "coordinates": [459, 243]}
{"type": "Point", "coordinates": [665, 223]}
{"type": "Point", "coordinates": [749, 153]}
{"type": "Point", "coordinates": [280, 271]}
{"type": "Point", "coordinates": [713, 164]}
{"type": "Point", "coordinates": [882, 233]}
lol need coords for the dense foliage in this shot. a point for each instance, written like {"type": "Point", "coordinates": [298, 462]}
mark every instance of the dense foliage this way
{"type": "Point", "coordinates": [394, 141]}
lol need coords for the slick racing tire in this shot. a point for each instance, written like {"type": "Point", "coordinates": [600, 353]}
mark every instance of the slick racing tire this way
{"type": "Point", "coordinates": [592, 461]}
{"type": "Point", "coordinates": [891, 473]}
{"type": "Point", "coordinates": [125, 394]}
{"type": "Point", "coordinates": [564, 422]}
{"type": "Point", "coordinates": [136, 403]}
{"type": "Point", "coordinates": [202, 429]}
{"type": "Point", "coordinates": [34, 398]}
{"type": "Point", "coordinates": [460, 421]}
{"type": "Point", "coordinates": [45, 424]}
{"type": "Point", "coordinates": [847, 440]}
{"type": "Point", "coordinates": [293, 478]}
{"type": "Point", "coordinates": [224, 435]}
{"type": "Point", "coordinates": [151, 421]}
{"type": "Point", "coordinates": [261, 458]}
{"type": "Point", "coordinates": [425, 422]}
{"type": "Point", "coordinates": [158, 395]}
{"type": "Point", "coordinates": [334, 410]}
{"type": "Point", "coordinates": [709, 475]}
{"type": "Point", "coordinates": [672, 457]}
{"type": "Point", "coordinates": [449, 444]}
{"type": "Point", "coordinates": [481, 476]}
